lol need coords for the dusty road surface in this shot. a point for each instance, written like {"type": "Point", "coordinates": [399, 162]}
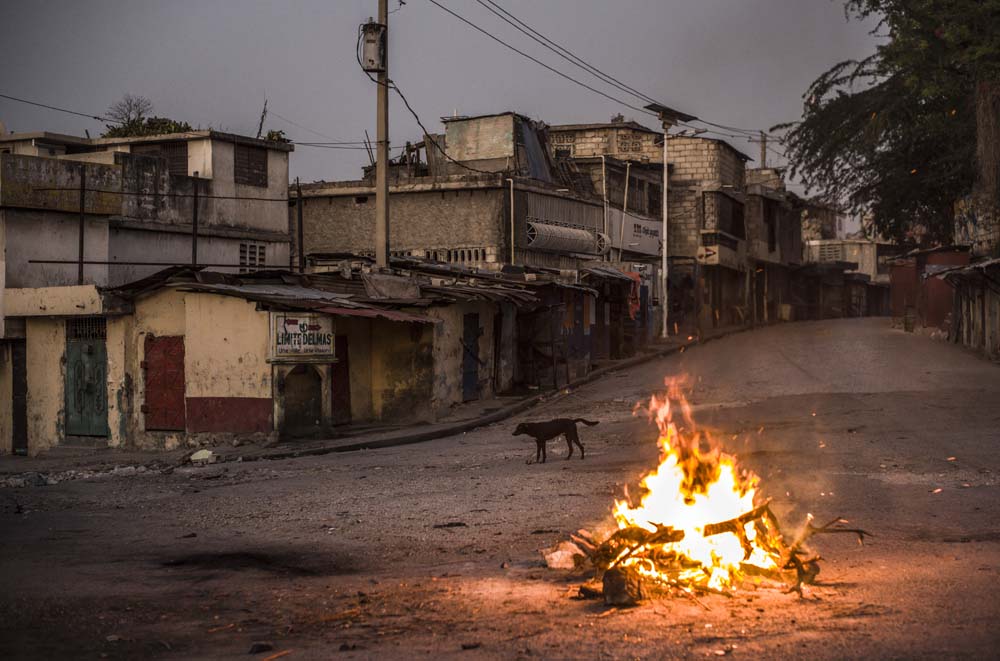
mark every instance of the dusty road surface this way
{"type": "Point", "coordinates": [431, 550]}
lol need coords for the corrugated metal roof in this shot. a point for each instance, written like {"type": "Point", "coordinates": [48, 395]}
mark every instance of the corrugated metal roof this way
{"type": "Point", "coordinates": [392, 315]}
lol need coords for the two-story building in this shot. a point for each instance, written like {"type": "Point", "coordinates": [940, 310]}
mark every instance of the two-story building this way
{"type": "Point", "coordinates": [81, 215]}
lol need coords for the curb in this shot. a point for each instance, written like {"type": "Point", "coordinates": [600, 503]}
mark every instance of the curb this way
{"type": "Point", "coordinates": [496, 416]}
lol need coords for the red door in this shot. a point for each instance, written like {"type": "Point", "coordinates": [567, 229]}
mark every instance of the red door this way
{"type": "Point", "coordinates": [164, 365]}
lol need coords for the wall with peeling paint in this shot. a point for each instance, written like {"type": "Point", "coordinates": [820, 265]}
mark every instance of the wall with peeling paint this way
{"type": "Point", "coordinates": [46, 350]}
{"type": "Point", "coordinates": [448, 352]}
{"type": "Point", "coordinates": [402, 368]}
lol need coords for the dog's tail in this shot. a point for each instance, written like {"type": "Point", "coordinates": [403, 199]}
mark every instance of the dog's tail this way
{"type": "Point", "coordinates": [589, 423]}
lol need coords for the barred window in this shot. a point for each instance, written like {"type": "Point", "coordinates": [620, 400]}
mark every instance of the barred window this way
{"type": "Point", "coordinates": [175, 153]}
{"type": "Point", "coordinates": [252, 257]}
{"type": "Point", "coordinates": [250, 165]}
{"type": "Point", "coordinates": [86, 328]}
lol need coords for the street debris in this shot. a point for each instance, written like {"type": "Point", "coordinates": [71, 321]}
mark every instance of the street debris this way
{"type": "Point", "coordinates": [564, 555]}
{"type": "Point", "coordinates": [203, 457]}
{"type": "Point", "coordinates": [260, 646]}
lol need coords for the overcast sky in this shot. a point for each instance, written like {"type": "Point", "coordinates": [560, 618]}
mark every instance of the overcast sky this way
{"type": "Point", "coordinates": [212, 63]}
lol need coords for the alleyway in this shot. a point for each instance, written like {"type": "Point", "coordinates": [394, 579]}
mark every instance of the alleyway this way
{"type": "Point", "coordinates": [431, 550]}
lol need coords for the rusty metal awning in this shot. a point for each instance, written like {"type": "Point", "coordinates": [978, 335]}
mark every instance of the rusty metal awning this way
{"type": "Point", "coordinates": [372, 313]}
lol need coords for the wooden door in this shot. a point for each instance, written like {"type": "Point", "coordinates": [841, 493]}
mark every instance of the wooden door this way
{"type": "Point", "coordinates": [164, 368]}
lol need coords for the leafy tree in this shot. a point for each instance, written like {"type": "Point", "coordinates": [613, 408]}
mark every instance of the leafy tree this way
{"type": "Point", "coordinates": [895, 135]}
{"type": "Point", "coordinates": [132, 116]}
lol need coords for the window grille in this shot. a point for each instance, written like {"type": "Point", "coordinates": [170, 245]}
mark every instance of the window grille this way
{"type": "Point", "coordinates": [253, 257]}
{"type": "Point", "coordinates": [86, 328]}
{"type": "Point", "coordinates": [250, 165]}
{"type": "Point", "coordinates": [175, 153]}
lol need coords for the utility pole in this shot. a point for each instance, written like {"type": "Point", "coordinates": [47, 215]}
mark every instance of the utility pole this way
{"type": "Point", "coordinates": [194, 223]}
{"type": "Point", "coordinates": [669, 117]}
{"type": "Point", "coordinates": [762, 142]}
{"type": "Point", "coordinates": [83, 221]}
{"type": "Point", "coordinates": [382, 147]}
{"type": "Point", "coordinates": [298, 209]}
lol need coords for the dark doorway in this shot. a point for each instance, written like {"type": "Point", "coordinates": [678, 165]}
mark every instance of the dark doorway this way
{"type": "Point", "coordinates": [341, 383]}
{"type": "Point", "coordinates": [470, 357]}
{"type": "Point", "coordinates": [86, 378]}
{"type": "Point", "coordinates": [303, 401]}
{"type": "Point", "coordinates": [19, 364]}
{"type": "Point", "coordinates": [164, 365]}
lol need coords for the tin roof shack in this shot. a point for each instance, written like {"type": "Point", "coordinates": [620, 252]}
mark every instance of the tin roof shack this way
{"type": "Point", "coordinates": [821, 290]}
{"type": "Point", "coordinates": [774, 238]}
{"type": "Point", "coordinates": [498, 331]}
{"type": "Point", "coordinates": [188, 357]}
{"type": "Point", "coordinates": [917, 296]}
{"type": "Point", "coordinates": [139, 205]}
{"type": "Point", "coordinates": [873, 260]}
{"type": "Point", "coordinates": [976, 305]}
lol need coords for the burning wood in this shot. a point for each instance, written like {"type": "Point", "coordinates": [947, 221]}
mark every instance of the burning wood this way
{"type": "Point", "coordinates": [699, 526]}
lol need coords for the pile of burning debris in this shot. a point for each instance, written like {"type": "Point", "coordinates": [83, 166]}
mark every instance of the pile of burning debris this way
{"type": "Point", "coordinates": [698, 526]}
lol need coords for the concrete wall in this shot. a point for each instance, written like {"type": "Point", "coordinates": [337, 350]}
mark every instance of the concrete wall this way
{"type": "Point", "coordinates": [622, 142]}
{"type": "Point", "coordinates": [35, 235]}
{"type": "Point", "coordinates": [228, 378]}
{"type": "Point", "coordinates": [136, 245]}
{"type": "Point", "coordinates": [45, 348]}
{"type": "Point", "coordinates": [251, 214]}
{"type": "Point", "coordinates": [448, 352]}
{"type": "Point", "coordinates": [427, 220]}
{"type": "Point", "coordinates": [52, 301]}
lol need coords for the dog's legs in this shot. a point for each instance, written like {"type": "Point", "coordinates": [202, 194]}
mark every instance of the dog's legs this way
{"type": "Point", "coordinates": [544, 450]}
{"type": "Point", "coordinates": [572, 438]}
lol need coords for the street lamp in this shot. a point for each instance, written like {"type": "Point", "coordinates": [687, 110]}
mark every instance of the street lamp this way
{"type": "Point", "coordinates": [668, 117]}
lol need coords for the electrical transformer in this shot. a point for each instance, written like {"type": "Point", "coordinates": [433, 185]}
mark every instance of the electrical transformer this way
{"type": "Point", "coordinates": [373, 47]}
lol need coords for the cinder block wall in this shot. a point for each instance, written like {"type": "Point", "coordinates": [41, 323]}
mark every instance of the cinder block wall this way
{"type": "Point", "coordinates": [451, 219]}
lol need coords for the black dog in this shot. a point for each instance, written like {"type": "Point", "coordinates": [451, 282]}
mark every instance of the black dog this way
{"type": "Point", "coordinates": [546, 431]}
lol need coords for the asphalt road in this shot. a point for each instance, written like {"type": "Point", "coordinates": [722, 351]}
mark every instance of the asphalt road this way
{"type": "Point", "coordinates": [431, 550]}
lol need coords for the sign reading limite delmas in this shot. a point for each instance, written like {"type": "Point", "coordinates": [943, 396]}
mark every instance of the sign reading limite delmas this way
{"type": "Point", "coordinates": [302, 334]}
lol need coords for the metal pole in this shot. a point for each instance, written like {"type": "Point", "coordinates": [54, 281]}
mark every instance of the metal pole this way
{"type": "Point", "coordinates": [621, 228]}
{"type": "Point", "coordinates": [664, 281]}
{"type": "Point", "coordinates": [298, 209]}
{"type": "Point", "coordinates": [194, 223]}
{"type": "Point", "coordinates": [83, 220]}
{"type": "Point", "coordinates": [511, 181]}
{"type": "Point", "coordinates": [382, 150]}
{"type": "Point", "coordinates": [604, 194]}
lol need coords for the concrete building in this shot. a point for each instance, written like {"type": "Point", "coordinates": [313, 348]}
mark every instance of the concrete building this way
{"type": "Point", "coordinates": [80, 215]}
{"type": "Point", "coordinates": [139, 205]}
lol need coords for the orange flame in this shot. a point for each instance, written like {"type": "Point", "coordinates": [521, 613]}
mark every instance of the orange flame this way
{"type": "Point", "coordinates": [696, 484]}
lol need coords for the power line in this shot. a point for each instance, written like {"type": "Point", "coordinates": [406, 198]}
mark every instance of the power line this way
{"type": "Point", "coordinates": [99, 118]}
{"type": "Point", "coordinates": [576, 60]}
{"type": "Point", "coordinates": [427, 134]}
{"type": "Point", "coordinates": [563, 52]}
{"type": "Point", "coordinates": [539, 62]}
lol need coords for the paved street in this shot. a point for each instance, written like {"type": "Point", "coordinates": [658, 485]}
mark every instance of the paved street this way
{"type": "Point", "coordinates": [432, 549]}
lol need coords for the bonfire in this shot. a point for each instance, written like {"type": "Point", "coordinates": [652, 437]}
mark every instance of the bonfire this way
{"type": "Point", "coordinates": [700, 524]}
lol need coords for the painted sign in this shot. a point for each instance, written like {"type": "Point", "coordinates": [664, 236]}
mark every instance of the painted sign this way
{"type": "Point", "coordinates": [302, 334]}
{"type": "Point", "coordinates": [640, 235]}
